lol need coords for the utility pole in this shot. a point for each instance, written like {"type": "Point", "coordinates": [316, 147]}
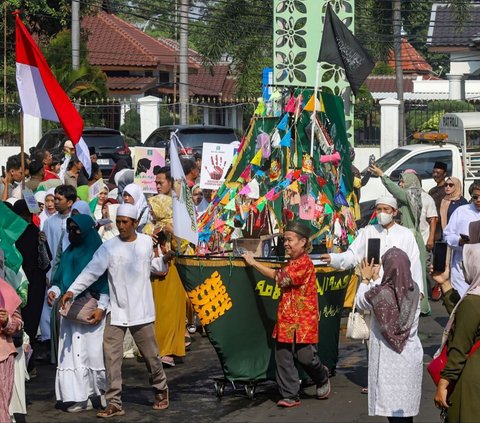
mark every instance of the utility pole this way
{"type": "Point", "coordinates": [75, 34]}
{"type": "Point", "coordinates": [183, 52]}
{"type": "Point", "coordinates": [175, 66]}
{"type": "Point", "coordinates": [397, 48]}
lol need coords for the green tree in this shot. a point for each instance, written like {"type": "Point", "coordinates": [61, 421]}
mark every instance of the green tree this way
{"type": "Point", "coordinates": [241, 30]}
{"type": "Point", "coordinates": [87, 82]}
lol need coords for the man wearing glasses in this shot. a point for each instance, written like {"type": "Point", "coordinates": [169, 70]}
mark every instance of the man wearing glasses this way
{"type": "Point", "coordinates": [456, 236]}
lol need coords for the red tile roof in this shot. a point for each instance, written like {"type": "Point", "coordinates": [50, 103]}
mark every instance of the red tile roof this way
{"type": "Point", "coordinates": [116, 44]}
{"type": "Point", "coordinates": [130, 84]}
{"type": "Point", "coordinates": [387, 84]}
{"type": "Point", "coordinates": [209, 81]}
{"type": "Point", "coordinates": [412, 60]}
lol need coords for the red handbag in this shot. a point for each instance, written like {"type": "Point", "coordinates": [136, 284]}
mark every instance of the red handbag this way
{"type": "Point", "coordinates": [437, 365]}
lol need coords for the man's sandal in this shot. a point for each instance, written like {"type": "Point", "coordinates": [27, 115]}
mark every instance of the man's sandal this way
{"type": "Point", "coordinates": [112, 410]}
{"type": "Point", "coordinates": [161, 401]}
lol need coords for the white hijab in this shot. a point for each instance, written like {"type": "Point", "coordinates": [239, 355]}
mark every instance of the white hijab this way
{"type": "Point", "coordinates": [138, 196]}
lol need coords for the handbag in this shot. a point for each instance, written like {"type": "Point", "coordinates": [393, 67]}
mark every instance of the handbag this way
{"type": "Point", "coordinates": [357, 326]}
{"type": "Point", "coordinates": [80, 309]}
{"type": "Point", "coordinates": [436, 366]}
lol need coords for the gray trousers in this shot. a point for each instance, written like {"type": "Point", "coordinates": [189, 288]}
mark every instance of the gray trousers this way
{"type": "Point", "coordinates": [287, 374]}
{"type": "Point", "coordinates": [144, 336]}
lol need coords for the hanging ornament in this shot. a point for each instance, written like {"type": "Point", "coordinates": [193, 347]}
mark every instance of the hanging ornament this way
{"type": "Point", "coordinates": [290, 107]}
{"type": "Point", "coordinates": [276, 139]}
{"type": "Point", "coordinates": [282, 125]}
{"type": "Point", "coordinates": [275, 170]}
{"type": "Point", "coordinates": [307, 163]}
{"type": "Point", "coordinates": [287, 139]}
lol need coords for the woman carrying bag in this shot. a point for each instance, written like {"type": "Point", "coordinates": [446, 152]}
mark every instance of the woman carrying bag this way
{"type": "Point", "coordinates": [459, 387]}
{"type": "Point", "coordinates": [395, 359]}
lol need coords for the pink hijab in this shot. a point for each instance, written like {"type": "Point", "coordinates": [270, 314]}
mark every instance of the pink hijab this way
{"type": "Point", "coordinates": [9, 300]}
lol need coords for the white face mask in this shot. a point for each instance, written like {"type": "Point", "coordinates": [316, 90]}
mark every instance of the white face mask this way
{"type": "Point", "coordinates": [384, 218]}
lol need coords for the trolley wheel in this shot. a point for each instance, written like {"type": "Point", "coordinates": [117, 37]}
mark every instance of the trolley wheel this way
{"type": "Point", "coordinates": [250, 391]}
{"type": "Point", "coordinates": [219, 389]}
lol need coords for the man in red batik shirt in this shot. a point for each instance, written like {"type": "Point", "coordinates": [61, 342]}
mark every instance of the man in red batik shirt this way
{"type": "Point", "coordinates": [296, 330]}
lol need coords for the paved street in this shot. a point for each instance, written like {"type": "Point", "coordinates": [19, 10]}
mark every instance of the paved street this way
{"type": "Point", "coordinates": [192, 392]}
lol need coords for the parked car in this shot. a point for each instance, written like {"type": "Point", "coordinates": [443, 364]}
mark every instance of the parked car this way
{"type": "Point", "coordinates": [459, 150]}
{"type": "Point", "coordinates": [108, 144]}
{"type": "Point", "coordinates": [191, 137]}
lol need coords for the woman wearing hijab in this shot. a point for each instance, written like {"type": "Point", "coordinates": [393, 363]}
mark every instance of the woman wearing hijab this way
{"type": "Point", "coordinates": [49, 207]}
{"type": "Point", "coordinates": [109, 211]}
{"type": "Point", "coordinates": [168, 292]}
{"type": "Point", "coordinates": [395, 358]}
{"type": "Point", "coordinates": [133, 194]}
{"type": "Point", "coordinates": [10, 323]}
{"type": "Point", "coordinates": [35, 266]}
{"type": "Point", "coordinates": [452, 199]}
{"type": "Point", "coordinates": [408, 193]}
{"type": "Point", "coordinates": [461, 374]}
{"type": "Point", "coordinates": [81, 207]}
{"type": "Point", "coordinates": [102, 197]}
{"type": "Point", "coordinates": [199, 200]}
{"type": "Point", "coordinates": [81, 369]}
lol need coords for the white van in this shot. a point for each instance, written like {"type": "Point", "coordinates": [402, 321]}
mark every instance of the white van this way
{"type": "Point", "coordinates": [461, 153]}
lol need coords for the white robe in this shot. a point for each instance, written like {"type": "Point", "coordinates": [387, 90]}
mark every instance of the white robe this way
{"type": "Point", "coordinates": [394, 380]}
{"type": "Point", "coordinates": [458, 224]}
{"type": "Point", "coordinates": [129, 265]}
{"type": "Point", "coordinates": [397, 236]}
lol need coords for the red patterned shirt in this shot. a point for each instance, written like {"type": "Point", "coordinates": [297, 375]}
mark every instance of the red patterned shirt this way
{"type": "Point", "coordinates": [297, 315]}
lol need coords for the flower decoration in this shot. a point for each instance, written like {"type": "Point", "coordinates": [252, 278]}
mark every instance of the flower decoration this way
{"type": "Point", "coordinates": [290, 66]}
{"type": "Point", "coordinates": [290, 32]}
{"type": "Point", "coordinates": [291, 6]}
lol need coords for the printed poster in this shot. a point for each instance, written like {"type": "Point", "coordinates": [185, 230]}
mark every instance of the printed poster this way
{"type": "Point", "coordinates": [216, 160]}
{"type": "Point", "coordinates": [147, 161]}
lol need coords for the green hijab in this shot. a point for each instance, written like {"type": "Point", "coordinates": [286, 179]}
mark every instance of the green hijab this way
{"type": "Point", "coordinates": [413, 187]}
{"type": "Point", "coordinates": [75, 258]}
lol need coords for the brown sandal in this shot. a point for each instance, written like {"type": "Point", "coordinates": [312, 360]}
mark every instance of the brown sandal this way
{"type": "Point", "coordinates": [112, 410]}
{"type": "Point", "coordinates": [161, 401]}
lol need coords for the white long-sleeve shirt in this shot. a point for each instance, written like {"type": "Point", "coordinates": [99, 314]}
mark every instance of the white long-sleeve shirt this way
{"type": "Point", "coordinates": [458, 224]}
{"type": "Point", "coordinates": [129, 265]}
{"type": "Point", "coordinates": [396, 236]}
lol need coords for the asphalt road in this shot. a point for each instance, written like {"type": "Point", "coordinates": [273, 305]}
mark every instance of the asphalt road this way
{"type": "Point", "coordinates": [193, 395]}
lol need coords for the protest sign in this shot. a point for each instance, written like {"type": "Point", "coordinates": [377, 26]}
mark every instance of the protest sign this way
{"type": "Point", "coordinates": [216, 160]}
{"type": "Point", "coordinates": [147, 161]}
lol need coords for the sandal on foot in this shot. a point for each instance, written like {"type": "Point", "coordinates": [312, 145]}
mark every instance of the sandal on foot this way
{"type": "Point", "coordinates": [112, 410]}
{"type": "Point", "coordinates": [161, 401]}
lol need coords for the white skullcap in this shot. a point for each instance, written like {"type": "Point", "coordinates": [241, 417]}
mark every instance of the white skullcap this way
{"type": "Point", "coordinates": [68, 144]}
{"type": "Point", "coordinates": [388, 200]}
{"type": "Point", "coordinates": [128, 210]}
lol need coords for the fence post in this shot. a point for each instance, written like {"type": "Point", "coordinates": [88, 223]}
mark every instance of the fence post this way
{"type": "Point", "coordinates": [389, 110]}
{"type": "Point", "coordinates": [149, 116]}
{"type": "Point", "coordinates": [32, 131]}
{"type": "Point", "coordinates": [456, 87]}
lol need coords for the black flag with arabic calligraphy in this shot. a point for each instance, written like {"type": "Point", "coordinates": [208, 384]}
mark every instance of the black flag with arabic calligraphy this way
{"type": "Point", "coordinates": [340, 47]}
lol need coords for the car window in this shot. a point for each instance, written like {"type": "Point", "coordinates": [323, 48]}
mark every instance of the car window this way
{"type": "Point", "coordinates": [100, 141]}
{"type": "Point", "coordinates": [53, 141]}
{"type": "Point", "coordinates": [160, 135]}
{"type": "Point", "coordinates": [423, 163]}
{"type": "Point", "coordinates": [387, 160]}
{"type": "Point", "coordinates": [197, 138]}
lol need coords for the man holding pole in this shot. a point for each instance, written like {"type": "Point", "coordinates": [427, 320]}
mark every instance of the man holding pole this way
{"type": "Point", "coordinates": [296, 330]}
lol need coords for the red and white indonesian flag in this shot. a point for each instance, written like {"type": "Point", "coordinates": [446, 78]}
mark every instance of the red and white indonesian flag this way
{"type": "Point", "coordinates": [42, 96]}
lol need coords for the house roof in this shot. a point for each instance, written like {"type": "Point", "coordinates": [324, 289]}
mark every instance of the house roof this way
{"type": "Point", "coordinates": [445, 35]}
{"type": "Point", "coordinates": [412, 61]}
{"type": "Point", "coordinates": [116, 44]}
{"type": "Point", "coordinates": [130, 84]}
{"type": "Point", "coordinates": [387, 83]}
{"type": "Point", "coordinates": [209, 81]}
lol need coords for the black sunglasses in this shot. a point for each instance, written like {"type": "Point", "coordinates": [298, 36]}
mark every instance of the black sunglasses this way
{"type": "Point", "coordinates": [449, 185]}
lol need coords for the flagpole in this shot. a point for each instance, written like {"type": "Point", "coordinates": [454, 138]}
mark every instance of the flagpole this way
{"type": "Point", "coordinates": [315, 93]}
{"type": "Point", "coordinates": [22, 150]}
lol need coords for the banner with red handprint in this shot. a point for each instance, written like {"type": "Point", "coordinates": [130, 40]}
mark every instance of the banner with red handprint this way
{"type": "Point", "coordinates": [216, 160]}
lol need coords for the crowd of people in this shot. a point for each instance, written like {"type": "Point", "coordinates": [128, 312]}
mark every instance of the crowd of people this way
{"type": "Point", "coordinates": [99, 266]}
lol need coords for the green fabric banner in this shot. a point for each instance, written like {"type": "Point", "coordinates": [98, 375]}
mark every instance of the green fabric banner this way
{"type": "Point", "coordinates": [11, 227]}
{"type": "Point", "coordinates": [238, 307]}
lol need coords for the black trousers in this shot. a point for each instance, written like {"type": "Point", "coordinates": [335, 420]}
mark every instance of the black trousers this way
{"type": "Point", "coordinates": [286, 355]}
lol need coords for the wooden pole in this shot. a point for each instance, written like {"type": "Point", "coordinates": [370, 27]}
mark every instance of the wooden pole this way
{"type": "Point", "coordinates": [5, 59]}
{"type": "Point", "coordinates": [22, 150]}
{"type": "Point", "coordinates": [314, 115]}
